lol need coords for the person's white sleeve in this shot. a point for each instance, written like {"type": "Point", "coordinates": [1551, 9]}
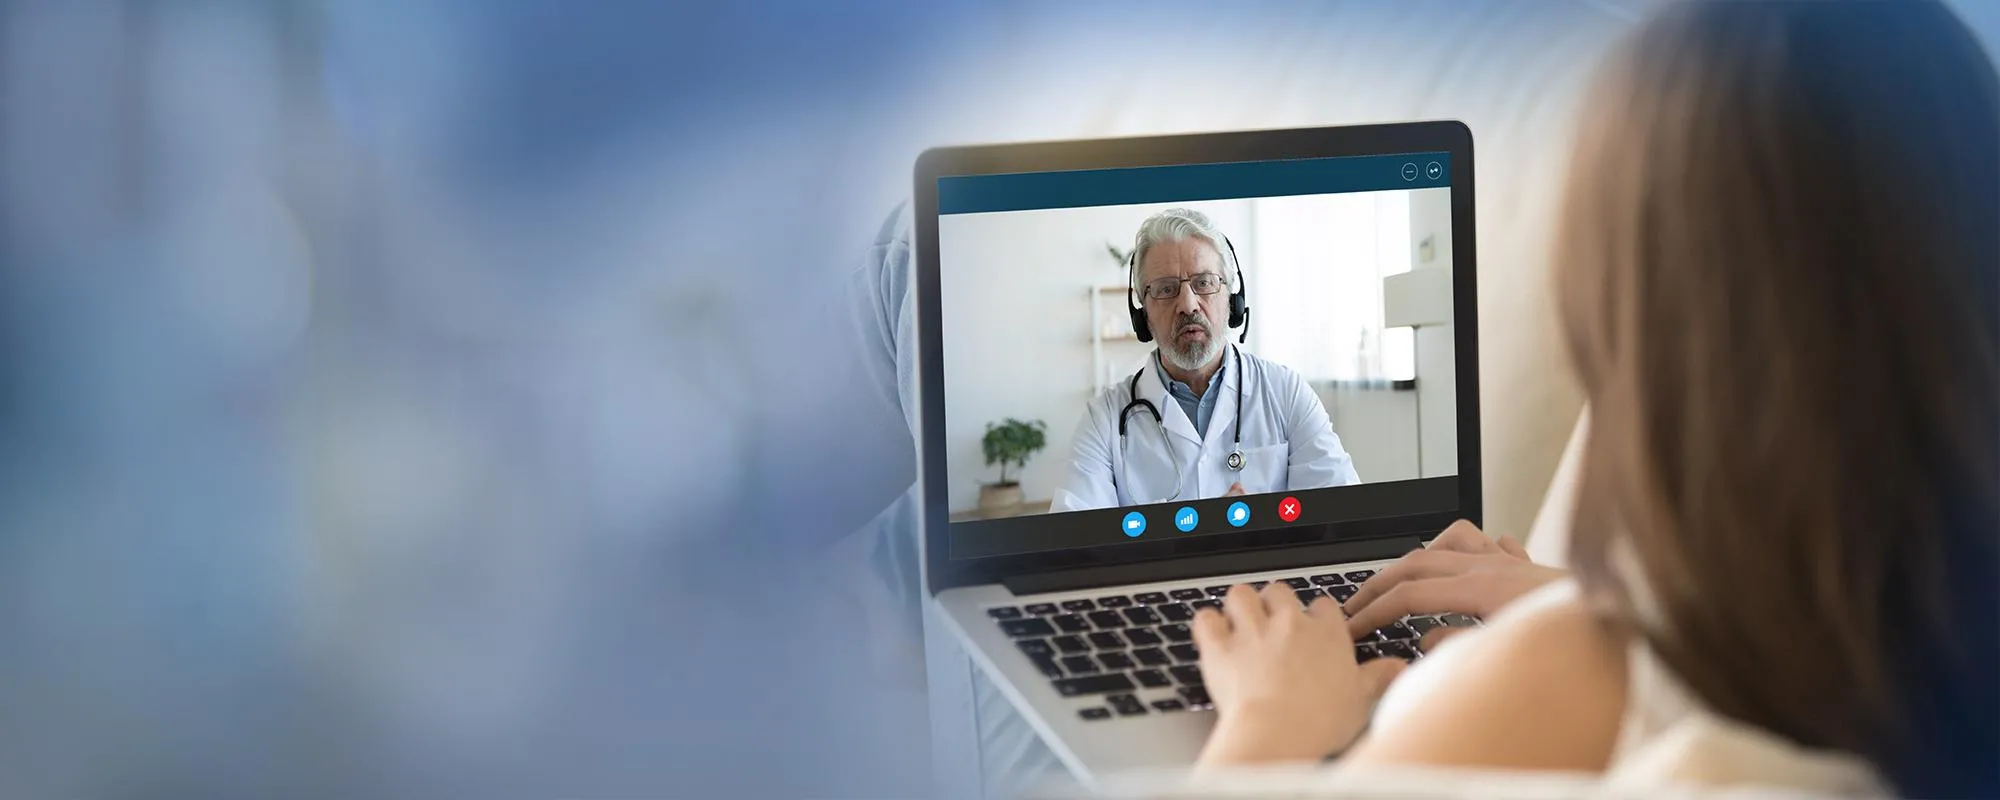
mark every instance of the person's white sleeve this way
{"type": "Point", "coordinates": [1089, 483]}
{"type": "Point", "coordinates": [1317, 459]}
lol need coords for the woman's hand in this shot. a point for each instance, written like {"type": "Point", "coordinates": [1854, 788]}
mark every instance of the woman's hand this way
{"type": "Point", "coordinates": [1283, 679]}
{"type": "Point", "coordinates": [1462, 570]}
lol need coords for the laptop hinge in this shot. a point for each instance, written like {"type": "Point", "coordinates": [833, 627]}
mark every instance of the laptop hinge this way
{"type": "Point", "coordinates": [1212, 564]}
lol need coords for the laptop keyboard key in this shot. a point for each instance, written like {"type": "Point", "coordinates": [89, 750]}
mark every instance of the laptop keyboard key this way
{"type": "Point", "coordinates": [1169, 704]}
{"type": "Point", "coordinates": [1004, 612]}
{"type": "Point", "coordinates": [1458, 620]}
{"type": "Point", "coordinates": [1094, 684]}
{"type": "Point", "coordinates": [1123, 703]}
{"type": "Point", "coordinates": [1034, 646]}
{"type": "Point", "coordinates": [1142, 637]}
{"type": "Point", "coordinates": [1079, 665]}
{"type": "Point", "coordinates": [1150, 598]}
{"type": "Point", "coordinates": [1216, 591]}
{"type": "Point", "coordinates": [1142, 616]}
{"type": "Point", "coordinates": [1152, 657]}
{"type": "Point", "coordinates": [1196, 696]}
{"type": "Point", "coordinates": [1176, 632]}
{"type": "Point", "coordinates": [1358, 576]}
{"type": "Point", "coordinates": [1201, 604]}
{"type": "Point", "coordinates": [1297, 583]}
{"type": "Point", "coordinates": [1423, 625]}
{"type": "Point", "coordinates": [1152, 679]}
{"type": "Point", "coordinates": [1078, 605]}
{"type": "Point", "coordinates": [1107, 619]}
{"type": "Point", "coordinates": [1307, 596]}
{"type": "Point", "coordinates": [1342, 593]}
{"type": "Point", "coordinates": [1176, 612]}
{"type": "Point", "coordinates": [1071, 623]}
{"type": "Point", "coordinates": [1184, 653]}
{"type": "Point", "coordinates": [1114, 601]}
{"type": "Point", "coordinates": [1115, 661]}
{"type": "Point", "coordinates": [1018, 628]}
{"type": "Point", "coordinates": [1126, 705]}
{"type": "Point", "coordinates": [1186, 675]}
{"type": "Point", "coordinates": [1329, 579]}
{"type": "Point", "coordinates": [1047, 664]}
{"type": "Point", "coordinates": [1040, 609]}
{"type": "Point", "coordinates": [1069, 644]}
{"type": "Point", "coordinates": [1397, 650]}
{"type": "Point", "coordinates": [1397, 631]}
{"type": "Point", "coordinates": [1106, 640]}
{"type": "Point", "coordinates": [1364, 653]}
{"type": "Point", "coordinates": [1186, 594]}
{"type": "Point", "coordinates": [1095, 713]}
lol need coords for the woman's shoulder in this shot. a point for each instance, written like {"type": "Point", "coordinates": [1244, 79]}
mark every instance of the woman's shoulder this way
{"type": "Point", "coordinates": [1542, 686]}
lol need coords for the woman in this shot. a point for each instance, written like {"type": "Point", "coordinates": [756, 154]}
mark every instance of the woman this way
{"type": "Point", "coordinates": [1776, 281]}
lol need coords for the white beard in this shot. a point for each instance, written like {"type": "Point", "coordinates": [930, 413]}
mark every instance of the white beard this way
{"type": "Point", "coordinates": [1195, 355]}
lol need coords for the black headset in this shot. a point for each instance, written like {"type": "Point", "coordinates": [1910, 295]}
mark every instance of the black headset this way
{"type": "Point", "coordinates": [1239, 302]}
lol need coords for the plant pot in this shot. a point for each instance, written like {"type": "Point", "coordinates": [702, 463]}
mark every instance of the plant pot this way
{"type": "Point", "coordinates": [999, 496]}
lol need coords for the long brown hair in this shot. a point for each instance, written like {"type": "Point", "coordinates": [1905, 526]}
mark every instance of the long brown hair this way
{"type": "Point", "coordinates": [1776, 278]}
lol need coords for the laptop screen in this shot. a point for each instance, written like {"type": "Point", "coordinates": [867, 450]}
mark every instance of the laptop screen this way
{"type": "Point", "coordinates": [1195, 350]}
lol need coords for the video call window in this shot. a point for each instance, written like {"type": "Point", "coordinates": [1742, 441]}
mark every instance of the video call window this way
{"type": "Point", "coordinates": [1343, 367]}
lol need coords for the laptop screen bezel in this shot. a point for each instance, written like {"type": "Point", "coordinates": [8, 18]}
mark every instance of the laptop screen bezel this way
{"type": "Point", "coordinates": [943, 572]}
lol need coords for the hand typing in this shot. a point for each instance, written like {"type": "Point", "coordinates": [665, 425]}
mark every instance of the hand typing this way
{"type": "Point", "coordinates": [1462, 570]}
{"type": "Point", "coordinates": [1283, 679]}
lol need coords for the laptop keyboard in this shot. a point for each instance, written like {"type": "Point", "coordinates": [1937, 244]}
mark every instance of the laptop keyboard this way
{"type": "Point", "coordinates": [1134, 653]}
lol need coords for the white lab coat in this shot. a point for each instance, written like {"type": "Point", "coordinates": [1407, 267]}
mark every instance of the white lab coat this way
{"type": "Point", "coordinates": [1288, 441]}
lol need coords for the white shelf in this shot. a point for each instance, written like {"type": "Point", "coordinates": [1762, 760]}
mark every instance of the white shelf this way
{"type": "Point", "coordinates": [1101, 364]}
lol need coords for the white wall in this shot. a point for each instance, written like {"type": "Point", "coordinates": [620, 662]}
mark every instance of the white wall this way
{"type": "Point", "coordinates": [1400, 435]}
{"type": "Point", "coordinates": [1437, 381]}
{"type": "Point", "coordinates": [1016, 326]}
{"type": "Point", "coordinates": [1378, 427]}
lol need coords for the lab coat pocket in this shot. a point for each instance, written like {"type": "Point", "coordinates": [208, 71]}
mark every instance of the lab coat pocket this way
{"type": "Point", "coordinates": [1265, 468]}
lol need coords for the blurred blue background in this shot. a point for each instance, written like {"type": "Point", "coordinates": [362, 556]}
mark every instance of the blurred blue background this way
{"type": "Point", "coordinates": [473, 398]}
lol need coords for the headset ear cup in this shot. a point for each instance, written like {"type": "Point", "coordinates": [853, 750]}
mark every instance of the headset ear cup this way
{"type": "Point", "coordinates": [1139, 326]}
{"type": "Point", "coordinates": [1239, 300]}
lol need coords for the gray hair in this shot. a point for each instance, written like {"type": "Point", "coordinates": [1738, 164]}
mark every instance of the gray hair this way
{"type": "Point", "coordinates": [1173, 225]}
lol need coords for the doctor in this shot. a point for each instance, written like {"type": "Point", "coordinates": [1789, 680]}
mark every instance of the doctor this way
{"type": "Point", "coordinates": [1236, 424]}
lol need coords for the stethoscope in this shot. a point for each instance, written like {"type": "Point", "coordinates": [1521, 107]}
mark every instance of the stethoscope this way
{"type": "Point", "coordinates": [1235, 460]}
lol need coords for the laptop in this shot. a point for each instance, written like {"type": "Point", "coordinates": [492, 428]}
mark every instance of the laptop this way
{"type": "Point", "coordinates": [1308, 414]}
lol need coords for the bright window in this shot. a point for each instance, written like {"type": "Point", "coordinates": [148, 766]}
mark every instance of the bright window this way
{"type": "Point", "coordinates": [1315, 266]}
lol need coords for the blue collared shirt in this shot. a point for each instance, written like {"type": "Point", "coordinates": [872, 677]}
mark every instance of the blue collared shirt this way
{"type": "Point", "coordinates": [1198, 409]}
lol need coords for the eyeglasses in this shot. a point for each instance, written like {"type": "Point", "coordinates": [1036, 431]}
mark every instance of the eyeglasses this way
{"type": "Point", "coordinates": [1206, 283]}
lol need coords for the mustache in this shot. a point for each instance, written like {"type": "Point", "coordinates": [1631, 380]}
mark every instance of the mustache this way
{"type": "Point", "coordinates": [1185, 318]}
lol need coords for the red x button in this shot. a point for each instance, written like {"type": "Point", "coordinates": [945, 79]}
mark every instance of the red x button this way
{"type": "Point", "coordinates": [1288, 509]}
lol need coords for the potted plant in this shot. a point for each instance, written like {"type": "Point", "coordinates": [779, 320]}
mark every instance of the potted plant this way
{"type": "Point", "coordinates": [1009, 443]}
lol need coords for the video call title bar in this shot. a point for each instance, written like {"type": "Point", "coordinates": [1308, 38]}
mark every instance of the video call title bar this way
{"type": "Point", "coordinates": [1021, 191]}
